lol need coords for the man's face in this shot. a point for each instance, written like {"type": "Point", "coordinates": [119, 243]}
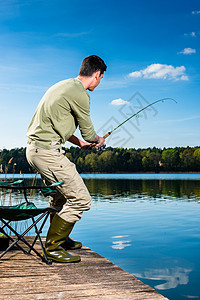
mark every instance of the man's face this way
{"type": "Point", "coordinates": [96, 80]}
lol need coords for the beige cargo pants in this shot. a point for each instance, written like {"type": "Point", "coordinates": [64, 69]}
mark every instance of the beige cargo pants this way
{"type": "Point", "coordinates": [72, 198]}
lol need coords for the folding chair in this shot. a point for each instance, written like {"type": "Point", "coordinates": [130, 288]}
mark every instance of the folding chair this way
{"type": "Point", "coordinates": [24, 211]}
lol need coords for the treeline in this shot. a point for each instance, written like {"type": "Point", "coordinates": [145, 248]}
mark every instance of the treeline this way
{"type": "Point", "coordinates": [114, 160]}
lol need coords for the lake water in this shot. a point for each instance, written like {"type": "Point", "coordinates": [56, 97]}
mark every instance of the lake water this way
{"type": "Point", "coordinates": [148, 224]}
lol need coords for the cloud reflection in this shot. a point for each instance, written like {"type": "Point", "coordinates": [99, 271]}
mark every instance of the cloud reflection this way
{"type": "Point", "coordinates": [172, 276]}
{"type": "Point", "coordinates": [120, 244]}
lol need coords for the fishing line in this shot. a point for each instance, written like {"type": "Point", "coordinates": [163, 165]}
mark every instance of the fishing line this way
{"type": "Point", "coordinates": [135, 114]}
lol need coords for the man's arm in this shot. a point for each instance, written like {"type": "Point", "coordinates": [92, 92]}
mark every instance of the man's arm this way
{"type": "Point", "coordinates": [80, 106]}
{"type": "Point", "coordinates": [76, 141]}
{"type": "Point", "coordinates": [98, 141]}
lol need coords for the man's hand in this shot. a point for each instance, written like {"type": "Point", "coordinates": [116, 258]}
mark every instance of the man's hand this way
{"type": "Point", "coordinates": [101, 142]}
{"type": "Point", "coordinates": [85, 145]}
{"type": "Point", "coordinates": [98, 141]}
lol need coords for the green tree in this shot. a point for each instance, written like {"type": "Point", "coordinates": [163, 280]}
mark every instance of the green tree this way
{"type": "Point", "coordinates": [91, 162]}
{"type": "Point", "coordinates": [134, 163]}
{"type": "Point", "coordinates": [105, 161]}
{"type": "Point", "coordinates": [171, 160]}
{"type": "Point", "coordinates": [69, 156]}
{"type": "Point", "coordinates": [80, 164]}
{"type": "Point", "coordinates": [150, 160]}
{"type": "Point", "coordinates": [113, 160]}
{"type": "Point", "coordinates": [188, 160]}
{"type": "Point", "coordinates": [197, 158]}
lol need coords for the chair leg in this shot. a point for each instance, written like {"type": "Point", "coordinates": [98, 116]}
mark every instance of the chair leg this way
{"type": "Point", "coordinates": [38, 231]}
{"type": "Point", "coordinates": [20, 237]}
{"type": "Point", "coordinates": [44, 257]}
{"type": "Point", "coordinates": [10, 238]}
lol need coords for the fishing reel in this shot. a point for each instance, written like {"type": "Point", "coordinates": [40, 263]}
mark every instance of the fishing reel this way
{"type": "Point", "coordinates": [102, 148]}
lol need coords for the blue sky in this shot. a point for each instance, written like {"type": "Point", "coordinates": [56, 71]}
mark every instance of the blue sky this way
{"type": "Point", "coordinates": [151, 49]}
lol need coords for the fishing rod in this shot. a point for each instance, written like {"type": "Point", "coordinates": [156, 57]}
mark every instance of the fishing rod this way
{"type": "Point", "coordinates": [135, 114]}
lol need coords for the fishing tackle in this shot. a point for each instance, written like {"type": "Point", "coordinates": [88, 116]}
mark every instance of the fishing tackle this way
{"type": "Point", "coordinates": [135, 114]}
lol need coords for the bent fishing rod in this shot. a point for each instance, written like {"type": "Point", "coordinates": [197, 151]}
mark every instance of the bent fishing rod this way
{"type": "Point", "coordinates": [135, 114]}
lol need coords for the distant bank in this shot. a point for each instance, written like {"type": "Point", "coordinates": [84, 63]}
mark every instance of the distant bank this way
{"type": "Point", "coordinates": [114, 160]}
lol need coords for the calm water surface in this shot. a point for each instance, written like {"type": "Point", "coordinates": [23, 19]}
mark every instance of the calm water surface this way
{"type": "Point", "coordinates": [148, 224]}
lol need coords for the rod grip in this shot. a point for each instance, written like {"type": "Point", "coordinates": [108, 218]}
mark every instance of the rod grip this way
{"type": "Point", "coordinates": [106, 135]}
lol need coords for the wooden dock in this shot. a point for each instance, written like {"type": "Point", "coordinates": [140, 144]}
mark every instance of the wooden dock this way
{"type": "Point", "coordinates": [26, 277]}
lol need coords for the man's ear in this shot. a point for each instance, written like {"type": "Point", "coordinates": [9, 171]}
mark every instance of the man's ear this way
{"type": "Point", "coordinates": [97, 74]}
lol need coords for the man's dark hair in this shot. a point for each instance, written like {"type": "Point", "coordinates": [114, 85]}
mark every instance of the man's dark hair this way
{"type": "Point", "coordinates": [92, 64]}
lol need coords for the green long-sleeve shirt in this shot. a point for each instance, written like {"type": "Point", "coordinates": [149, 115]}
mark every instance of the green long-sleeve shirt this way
{"type": "Point", "coordinates": [64, 106]}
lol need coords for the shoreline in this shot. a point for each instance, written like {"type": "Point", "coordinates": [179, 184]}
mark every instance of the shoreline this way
{"type": "Point", "coordinates": [2, 175]}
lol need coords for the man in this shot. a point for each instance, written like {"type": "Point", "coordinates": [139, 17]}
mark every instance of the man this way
{"type": "Point", "coordinates": [65, 106]}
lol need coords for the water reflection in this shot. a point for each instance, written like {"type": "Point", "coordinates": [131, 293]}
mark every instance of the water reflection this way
{"type": "Point", "coordinates": [172, 277]}
{"type": "Point", "coordinates": [123, 188]}
{"type": "Point", "coordinates": [120, 244]}
{"type": "Point", "coordinates": [161, 216]}
{"type": "Point", "coordinates": [185, 189]}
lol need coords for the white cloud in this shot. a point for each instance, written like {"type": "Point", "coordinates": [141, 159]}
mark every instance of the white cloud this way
{"type": "Point", "coordinates": [196, 12]}
{"type": "Point", "coordinates": [119, 102]}
{"type": "Point", "coordinates": [188, 51]}
{"type": "Point", "coordinates": [136, 74]}
{"type": "Point", "coordinates": [193, 34]}
{"type": "Point", "coordinates": [161, 71]}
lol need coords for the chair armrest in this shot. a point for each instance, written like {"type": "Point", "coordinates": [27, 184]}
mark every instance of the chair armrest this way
{"type": "Point", "coordinates": [9, 184]}
{"type": "Point", "coordinates": [12, 185]}
{"type": "Point", "coordinates": [51, 189]}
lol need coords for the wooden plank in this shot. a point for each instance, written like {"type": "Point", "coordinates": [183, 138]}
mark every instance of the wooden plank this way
{"type": "Point", "coordinates": [26, 277]}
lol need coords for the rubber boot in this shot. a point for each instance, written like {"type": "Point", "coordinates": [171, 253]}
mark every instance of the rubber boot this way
{"type": "Point", "coordinates": [58, 232]}
{"type": "Point", "coordinates": [68, 244]}
{"type": "Point", "coordinates": [52, 214]}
